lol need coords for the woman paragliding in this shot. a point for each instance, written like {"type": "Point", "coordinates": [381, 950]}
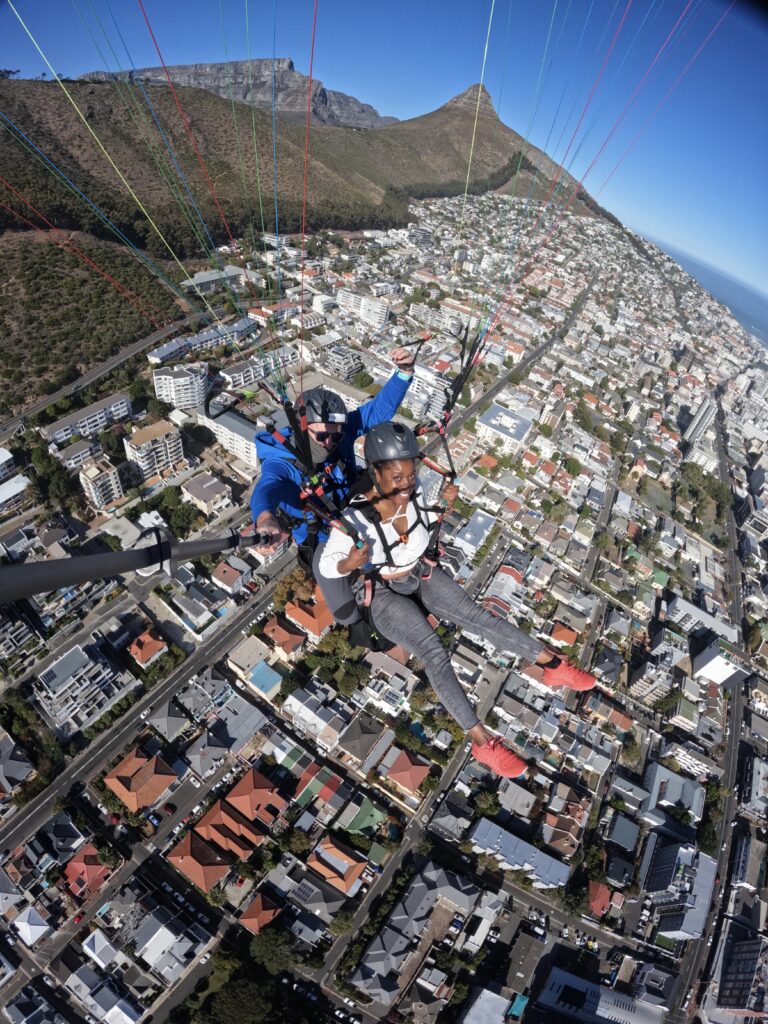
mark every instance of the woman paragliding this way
{"type": "Point", "coordinates": [385, 533]}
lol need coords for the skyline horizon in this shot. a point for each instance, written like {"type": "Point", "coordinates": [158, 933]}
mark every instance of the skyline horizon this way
{"type": "Point", "coordinates": [664, 191]}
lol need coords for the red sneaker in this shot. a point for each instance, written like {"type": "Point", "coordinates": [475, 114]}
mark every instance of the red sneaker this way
{"type": "Point", "coordinates": [569, 676]}
{"type": "Point", "coordinates": [499, 759]}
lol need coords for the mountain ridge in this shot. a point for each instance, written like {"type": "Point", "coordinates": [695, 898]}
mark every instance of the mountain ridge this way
{"type": "Point", "coordinates": [250, 82]}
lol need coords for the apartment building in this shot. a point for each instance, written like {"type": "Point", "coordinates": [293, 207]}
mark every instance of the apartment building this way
{"type": "Point", "coordinates": [505, 428]}
{"type": "Point", "coordinates": [183, 386]}
{"type": "Point", "coordinates": [342, 362]}
{"type": "Point", "coordinates": [155, 449]}
{"type": "Point", "coordinates": [79, 687]}
{"type": "Point", "coordinates": [368, 309]}
{"type": "Point", "coordinates": [257, 368]}
{"type": "Point", "coordinates": [101, 484]}
{"type": "Point", "coordinates": [7, 466]}
{"type": "Point", "coordinates": [90, 421]}
{"type": "Point", "coordinates": [234, 433]}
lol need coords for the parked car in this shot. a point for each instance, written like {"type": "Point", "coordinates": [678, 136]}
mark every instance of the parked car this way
{"type": "Point", "coordinates": [169, 808]}
{"type": "Point", "coordinates": [204, 959]}
{"type": "Point", "coordinates": [77, 918]}
{"type": "Point", "coordinates": [195, 782]}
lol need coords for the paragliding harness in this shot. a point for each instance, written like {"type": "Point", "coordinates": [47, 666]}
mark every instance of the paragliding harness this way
{"type": "Point", "coordinates": [320, 509]}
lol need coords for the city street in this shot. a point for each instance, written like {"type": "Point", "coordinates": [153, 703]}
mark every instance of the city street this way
{"type": "Point", "coordinates": [9, 428]}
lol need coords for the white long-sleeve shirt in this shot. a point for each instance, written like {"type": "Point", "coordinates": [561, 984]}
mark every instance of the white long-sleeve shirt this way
{"type": "Point", "coordinates": [402, 556]}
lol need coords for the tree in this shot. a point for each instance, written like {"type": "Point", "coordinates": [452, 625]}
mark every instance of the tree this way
{"type": "Point", "coordinates": [487, 804]}
{"type": "Point", "coordinates": [362, 379]}
{"type": "Point", "coordinates": [601, 540]}
{"type": "Point", "coordinates": [572, 466]}
{"type": "Point", "coordinates": [342, 923]}
{"type": "Point", "coordinates": [273, 950]}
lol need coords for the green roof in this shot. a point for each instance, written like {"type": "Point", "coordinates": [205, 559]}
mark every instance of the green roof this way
{"type": "Point", "coordinates": [377, 853]}
{"type": "Point", "coordinates": [367, 816]}
{"type": "Point", "coordinates": [660, 578]}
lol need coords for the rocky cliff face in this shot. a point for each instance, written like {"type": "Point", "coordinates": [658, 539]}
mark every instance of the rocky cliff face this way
{"type": "Point", "coordinates": [251, 82]}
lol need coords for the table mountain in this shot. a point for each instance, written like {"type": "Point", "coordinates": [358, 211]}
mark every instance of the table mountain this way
{"type": "Point", "coordinates": [251, 82]}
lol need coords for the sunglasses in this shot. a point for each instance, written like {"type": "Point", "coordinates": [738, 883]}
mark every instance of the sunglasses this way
{"type": "Point", "coordinates": [327, 435]}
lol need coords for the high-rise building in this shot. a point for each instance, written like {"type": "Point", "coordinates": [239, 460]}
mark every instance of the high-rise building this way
{"type": "Point", "coordinates": [100, 481]}
{"type": "Point", "coordinates": [371, 311]}
{"type": "Point", "coordinates": [155, 449]}
{"type": "Point", "coordinates": [7, 466]}
{"type": "Point", "coordinates": [701, 421]}
{"type": "Point", "coordinates": [183, 386]}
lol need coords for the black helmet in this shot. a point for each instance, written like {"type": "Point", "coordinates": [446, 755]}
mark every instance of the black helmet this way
{"type": "Point", "coordinates": [324, 406]}
{"type": "Point", "coordinates": [390, 441]}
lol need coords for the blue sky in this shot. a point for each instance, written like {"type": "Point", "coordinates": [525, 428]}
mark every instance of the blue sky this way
{"type": "Point", "coordinates": [695, 179]}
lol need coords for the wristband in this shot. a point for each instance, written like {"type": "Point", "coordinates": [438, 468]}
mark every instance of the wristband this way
{"type": "Point", "coordinates": [405, 374]}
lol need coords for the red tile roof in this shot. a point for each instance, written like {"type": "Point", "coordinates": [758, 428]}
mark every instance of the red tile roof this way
{"type": "Point", "coordinates": [563, 635]}
{"type": "Point", "coordinates": [147, 646]}
{"type": "Point", "coordinates": [259, 913]}
{"type": "Point", "coordinates": [198, 861]}
{"type": "Point", "coordinates": [84, 873]}
{"type": "Point", "coordinates": [139, 781]}
{"type": "Point", "coordinates": [229, 830]}
{"type": "Point", "coordinates": [337, 864]}
{"type": "Point", "coordinates": [599, 898]}
{"type": "Point", "coordinates": [256, 798]}
{"type": "Point", "coordinates": [408, 771]}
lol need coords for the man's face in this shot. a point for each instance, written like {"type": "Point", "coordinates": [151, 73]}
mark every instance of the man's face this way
{"type": "Point", "coordinates": [327, 435]}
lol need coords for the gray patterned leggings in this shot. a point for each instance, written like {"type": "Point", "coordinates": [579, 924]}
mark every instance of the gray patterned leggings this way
{"type": "Point", "coordinates": [400, 618]}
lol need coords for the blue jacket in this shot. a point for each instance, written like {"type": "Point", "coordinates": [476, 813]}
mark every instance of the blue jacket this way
{"type": "Point", "coordinates": [281, 477]}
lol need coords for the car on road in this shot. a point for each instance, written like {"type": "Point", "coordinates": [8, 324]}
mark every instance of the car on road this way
{"type": "Point", "coordinates": [195, 782]}
{"type": "Point", "coordinates": [166, 887]}
{"type": "Point", "coordinates": [77, 918]}
{"type": "Point", "coordinates": [169, 808]}
{"type": "Point", "coordinates": [348, 1001]}
{"type": "Point", "coordinates": [10, 939]}
{"type": "Point", "coordinates": [49, 981]}
{"type": "Point", "coordinates": [114, 819]}
{"type": "Point", "coordinates": [564, 933]}
{"type": "Point", "coordinates": [145, 713]}
{"type": "Point", "coordinates": [196, 809]}
{"type": "Point", "coordinates": [204, 959]}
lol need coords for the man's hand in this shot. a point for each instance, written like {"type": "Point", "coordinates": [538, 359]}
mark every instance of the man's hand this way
{"type": "Point", "coordinates": [403, 359]}
{"type": "Point", "coordinates": [266, 523]}
{"type": "Point", "coordinates": [450, 494]}
{"type": "Point", "coordinates": [356, 559]}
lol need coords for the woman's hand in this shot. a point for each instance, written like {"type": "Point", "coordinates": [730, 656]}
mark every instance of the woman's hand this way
{"type": "Point", "coordinates": [450, 494]}
{"type": "Point", "coordinates": [356, 559]}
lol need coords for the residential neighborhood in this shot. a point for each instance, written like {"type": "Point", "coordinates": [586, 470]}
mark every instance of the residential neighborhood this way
{"type": "Point", "coordinates": [202, 763]}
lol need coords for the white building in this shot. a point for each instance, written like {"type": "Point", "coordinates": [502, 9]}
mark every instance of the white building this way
{"type": "Point", "coordinates": [323, 304]}
{"type": "Point", "coordinates": [257, 368]}
{"type": "Point", "coordinates": [233, 433]}
{"type": "Point", "coordinates": [156, 449]}
{"type": "Point", "coordinates": [12, 493]}
{"type": "Point", "coordinates": [343, 362]}
{"type": "Point", "coordinates": [368, 309]}
{"type": "Point", "coordinates": [715, 663]}
{"type": "Point", "coordinates": [207, 493]}
{"type": "Point", "coordinates": [90, 421]}
{"type": "Point", "coordinates": [567, 996]}
{"type": "Point", "coordinates": [100, 481]}
{"type": "Point", "coordinates": [502, 427]}
{"type": "Point", "coordinates": [79, 687]}
{"type": "Point", "coordinates": [7, 466]}
{"type": "Point", "coordinates": [183, 386]}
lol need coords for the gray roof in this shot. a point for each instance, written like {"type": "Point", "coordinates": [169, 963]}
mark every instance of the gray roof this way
{"type": "Point", "coordinates": [505, 421]}
{"type": "Point", "coordinates": [544, 871]}
{"type": "Point", "coordinates": [14, 765]}
{"type": "Point", "coordinates": [169, 720]}
{"type": "Point", "coordinates": [380, 965]}
{"type": "Point", "coordinates": [624, 833]}
{"type": "Point", "coordinates": [9, 894]}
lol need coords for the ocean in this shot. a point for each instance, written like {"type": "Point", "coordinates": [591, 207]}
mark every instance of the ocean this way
{"type": "Point", "coordinates": [749, 306]}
